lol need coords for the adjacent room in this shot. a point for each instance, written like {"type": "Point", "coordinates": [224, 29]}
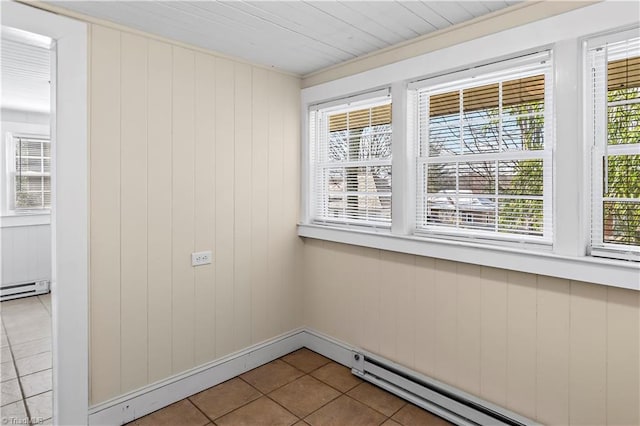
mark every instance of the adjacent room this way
{"type": "Point", "coordinates": [320, 213]}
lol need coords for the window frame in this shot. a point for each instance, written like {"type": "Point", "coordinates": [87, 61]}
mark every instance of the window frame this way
{"type": "Point", "coordinates": [11, 173]}
{"type": "Point", "coordinates": [601, 150]}
{"type": "Point", "coordinates": [490, 73]}
{"type": "Point", "coordinates": [569, 257]}
{"type": "Point", "coordinates": [316, 113]}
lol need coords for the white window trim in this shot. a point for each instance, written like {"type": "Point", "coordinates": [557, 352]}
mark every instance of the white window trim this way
{"type": "Point", "coordinates": [568, 259]}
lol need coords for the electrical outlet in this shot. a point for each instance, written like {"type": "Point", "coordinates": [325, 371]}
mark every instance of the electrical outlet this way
{"type": "Point", "coordinates": [200, 258]}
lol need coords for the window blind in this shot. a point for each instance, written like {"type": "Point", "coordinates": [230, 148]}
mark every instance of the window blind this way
{"type": "Point", "coordinates": [32, 177]}
{"type": "Point", "coordinates": [615, 109]}
{"type": "Point", "coordinates": [351, 158]}
{"type": "Point", "coordinates": [484, 165]}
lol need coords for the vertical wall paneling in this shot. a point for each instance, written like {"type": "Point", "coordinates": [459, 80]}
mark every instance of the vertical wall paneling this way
{"type": "Point", "coordinates": [133, 199]}
{"type": "Point", "coordinates": [521, 343]}
{"type": "Point", "coordinates": [291, 188]}
{"type": "Point", "coordinates": [159, 208]}
{"type": "Point", "coordinates": [259, 200]}
{"type": "Point", "coordinates": [183, 188]}
{"type": "Point", "coordinates": [446, 320]}
{"type": "Point", "coordinates": [469, 320]}
{"type": "Point", "coordinates": [425, 317]}
{"type": "Point", "coordinates": [105, 214]}
{"type": "Point", "coordinates": [552, 363]}
{"type": "Point", "coordinates": [274, 203]}
{"type": "Point", "coordinates": [242, 206]}
{"type": "Point", "coordinates": [204, 206]}
{"type": "Point", "coordinates": [189, 152]}
{"type": "Point", "coordinates": [623, 357]}
{"type": "Point", "coordinates": [26, 254]}
{"type": "Point", "coordinates": [493, 330]}
{"type": "Point", "coordinates": [224, 186]}
{"type": "Point", "coordinates": [588, 359]}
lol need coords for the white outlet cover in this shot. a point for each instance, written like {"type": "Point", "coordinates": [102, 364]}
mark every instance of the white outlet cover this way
{"type": "Point", "coordinates": [201, 258]}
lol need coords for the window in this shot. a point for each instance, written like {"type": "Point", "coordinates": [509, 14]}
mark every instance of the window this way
{"type": "Point", "coordinates": [614, 67]}
{"type": "Point", "coordinates": [484, 152]}
{"type": "Point", "coordinates": [351, 162]}
{"type": "Point", "coordinates": [30, 172]}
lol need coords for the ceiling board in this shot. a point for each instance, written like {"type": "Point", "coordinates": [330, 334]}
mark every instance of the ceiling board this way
{"type": "Point", "coordinates": [295, 36]}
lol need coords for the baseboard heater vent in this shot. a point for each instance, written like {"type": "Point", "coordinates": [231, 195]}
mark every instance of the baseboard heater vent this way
{"type": "Point", "coordinates": [450, 403]}
{"type": "Point", "coordinates": [17, 291]}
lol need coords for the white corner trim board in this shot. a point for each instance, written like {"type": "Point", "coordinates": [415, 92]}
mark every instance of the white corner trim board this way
{"type": "Point", "coordinates": [421, 390]}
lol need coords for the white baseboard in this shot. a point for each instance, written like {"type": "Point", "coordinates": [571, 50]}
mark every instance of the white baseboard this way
{"type": "Point", "coordinates": [146, 400]}
{"type": "Point", "coordinates": [143, 401]}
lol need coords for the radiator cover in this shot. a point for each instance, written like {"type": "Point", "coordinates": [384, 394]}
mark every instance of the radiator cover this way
{"type": "Point", "coordinates": [439, 398]}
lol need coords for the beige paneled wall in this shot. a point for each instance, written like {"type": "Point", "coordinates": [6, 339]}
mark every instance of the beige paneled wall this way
{"type": "Point", "coordinates": [558, 351]}
{"type": "Point", "coordinates": [189, 152]}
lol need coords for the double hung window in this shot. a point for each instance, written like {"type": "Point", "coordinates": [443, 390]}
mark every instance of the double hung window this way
{"type": "Point", "coordinates": [30, 172]}
{"type": "Point", "coordinates": [351, 161]}
{"type": "Point", "coordinates": [614, 82]}
{"type": "Point", "coordinates": [484, 154]}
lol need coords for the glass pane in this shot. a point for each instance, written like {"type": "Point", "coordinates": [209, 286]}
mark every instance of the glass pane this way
{"type": "Point", "coordinates": [28, 200]}
{"type": "Point", "coordinates": [621, 222]}
{"type": "Point", "coordinates": [441, 177]}
{"type": "Point", "coordinates": [476, 177]}
{"type": "Point", "coordinates": [624, 120]}
{"type": "Point", "coordinates": [27, 148]}
{"type": "Point", "coordinates": [476, 213]}
{"type": "Point", "coordinates": [444, 136]}
{"type": "Point", "coordinates": [623, 176]}
{"type": "Point", "coordinates": [520, 177]}
{"type": "Point", "coordinates": [520, 216]}
{"type": "Point", "coordinates": [26, 165]}
{"type": "Point", "coordinates": [523, 130]}
{"type": "Point", "coordinates": [338, 145]}
{"type": "Point", "coordinates": [335, 179]}
{"type": "Point", "coordinates": [481, 132]}
{"type": "Point", "coordinates": [378, 179]}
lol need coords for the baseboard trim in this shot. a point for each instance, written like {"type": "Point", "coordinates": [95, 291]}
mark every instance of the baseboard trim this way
{"type": "Point", "coordinates": [148, 399]}
{"type": "Point", "coordinates": [141, 402]}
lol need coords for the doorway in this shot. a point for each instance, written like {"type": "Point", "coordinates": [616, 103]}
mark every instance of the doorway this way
{"type": "Point", "coordinates": [69, 207]}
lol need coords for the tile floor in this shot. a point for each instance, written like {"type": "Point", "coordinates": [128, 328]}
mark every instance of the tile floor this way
{"type": "Point", "coordinates": [25, 361]}
{"type": "Point", "coordinates": [302, 388]}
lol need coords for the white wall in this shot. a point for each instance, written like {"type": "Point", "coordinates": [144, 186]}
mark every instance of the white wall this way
{"type": "Point", "coordinates": [25, 241]}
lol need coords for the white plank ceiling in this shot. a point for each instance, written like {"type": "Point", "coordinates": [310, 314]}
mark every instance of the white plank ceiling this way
{"type": "Point", "coordinates": [295, 36]}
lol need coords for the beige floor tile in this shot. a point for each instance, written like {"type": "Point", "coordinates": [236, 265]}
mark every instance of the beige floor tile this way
{"type": "Point", "coordinates": [10, 392]}
{"type": "Point", "coordinates": [13, 414]}
{"type": "Point", "coordinates": [305, 360]}
{"type": "Point", "coordinates": [7, 371]}
{"type": "Point", "coordinates": [411, 415]}
{"type": "Point", "coordinates": [301, 423]}
{"type": "Point", "coordinates": [304, 395]}
{"type": "Point", "coordinates": [31, 348]}
{"type": "Point", "coordinates": [3, 339]}
{"type": "Point", "coordinates": [391, 422]}
{"type": "Point", "coordinates": [261, 412]}
{"type": "Point", "coordinates": [376, 398]}
{"type": "Point", "coordinates": [224, 398]}
{"type": "Point", "coordinates": [33, 364]}
{"type": "Point", "coordinates": [182, 413]}
{"type": "Point", "coordinates": [345, 411]}
{"type": "Point", "coordinates": [36, 383]}
{"type": "Point", "coordinates": [40, 406]}
{"type": "Point", "coordinates": [337, 376]}
{"type": "Point", "coordinates": [271, 376]}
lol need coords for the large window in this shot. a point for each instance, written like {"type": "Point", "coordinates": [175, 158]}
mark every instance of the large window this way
{"type": "Point", "coordinates": [351, 158]}
{"type": "Point", "coordinates": [614, 67]}
{"type": "Point", "coordinates": [30, 172]}
{"type": "Point", "coordinates": [484, 152]}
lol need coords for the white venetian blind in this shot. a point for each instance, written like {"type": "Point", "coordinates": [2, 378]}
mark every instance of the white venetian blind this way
{"type": "Point", "coordinates": [615, 107]}
{"type": "Point", "coordinates": [32, 176]}
{"type": "Point", "coordinates": [484, 164]}
{"type": "Point", "coordinates": [351, 160]}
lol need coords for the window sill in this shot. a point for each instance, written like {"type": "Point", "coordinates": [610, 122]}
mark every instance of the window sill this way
{"type": "Point", "coordinates": [13, 219]}
{"type": "Point", "coordinates": [615, 273]}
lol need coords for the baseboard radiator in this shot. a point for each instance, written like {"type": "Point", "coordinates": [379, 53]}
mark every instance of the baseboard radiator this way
{"type": "Point", "coordinates": [17, 291]}
{"type": "Point", "coordinates": [450, 403]}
